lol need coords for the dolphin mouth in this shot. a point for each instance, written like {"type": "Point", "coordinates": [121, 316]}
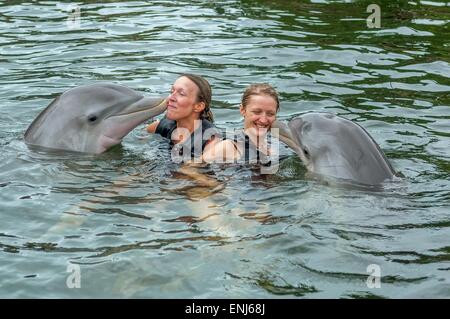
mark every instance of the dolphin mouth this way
{"type": "Point", "coordinates": [119, 125]}
{"type": "Point", "coordinates": [283, 132]}
{"type": "Point", "coordinates": [135, 108]}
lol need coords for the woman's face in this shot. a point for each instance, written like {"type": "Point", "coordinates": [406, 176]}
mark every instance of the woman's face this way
{"type": "Point", "coordinates": [259, 114]}
{"type": "Point", "coordinates": [182, 99]}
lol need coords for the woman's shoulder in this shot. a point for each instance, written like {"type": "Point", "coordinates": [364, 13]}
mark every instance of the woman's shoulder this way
{"type": "Point", "coordinates": [165, 127]}
{"type": "Point", "coordinates": [151, 128]}
{"type": "Point", "coordinates": [220, 151]}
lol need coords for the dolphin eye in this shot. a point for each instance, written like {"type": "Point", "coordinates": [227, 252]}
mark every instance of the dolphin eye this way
{"type": "Point", "coordinates": [306, 152]}
{"type": "Point", "coordinates": [92, 118]}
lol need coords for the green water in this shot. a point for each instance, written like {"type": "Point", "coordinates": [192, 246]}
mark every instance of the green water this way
{"type": "Point", "coordinates": [136, 228]}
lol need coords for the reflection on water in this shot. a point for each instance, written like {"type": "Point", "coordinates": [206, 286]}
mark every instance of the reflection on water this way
{"type": "Point", "coordinates": [139, 227]}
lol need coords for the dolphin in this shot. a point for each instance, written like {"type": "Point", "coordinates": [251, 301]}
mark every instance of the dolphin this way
{"type": "Point", "coordinates": [332, 146]}
{"type": "Point", "coordinates": [92, 118]}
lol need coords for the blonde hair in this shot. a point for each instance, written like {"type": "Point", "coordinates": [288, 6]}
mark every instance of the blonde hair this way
{"type": "Point", "coordinates": [204, 95]}
{"type": "Point", "coordinates": [259, 89]}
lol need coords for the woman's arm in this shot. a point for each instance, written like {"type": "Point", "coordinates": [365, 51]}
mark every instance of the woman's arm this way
{"type": "Point", "coordinates": [151, 128]}
{"type": "Point", "coordinates": [220, 151]}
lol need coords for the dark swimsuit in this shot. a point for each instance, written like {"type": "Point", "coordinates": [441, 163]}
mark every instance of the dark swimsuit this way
{"type": "Point", "coordinates": [198, 139]}
{"type": "Point", "coordinates": [252, 155]}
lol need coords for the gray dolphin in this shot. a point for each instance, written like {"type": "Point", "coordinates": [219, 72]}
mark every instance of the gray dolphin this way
{"type": "Point", "coordinates": [333, 146]}
{"type": "Point", "coordinates": [92, 118]}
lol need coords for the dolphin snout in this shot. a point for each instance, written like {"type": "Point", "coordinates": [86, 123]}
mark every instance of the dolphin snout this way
{"type": "Point", "coordinates": [283, 132]}
{"type": "Point", "coordinates": [157, 105]}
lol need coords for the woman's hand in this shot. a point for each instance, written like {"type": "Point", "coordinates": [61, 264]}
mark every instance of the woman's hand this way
{"type": "Point", "coordinates": [151, 128]}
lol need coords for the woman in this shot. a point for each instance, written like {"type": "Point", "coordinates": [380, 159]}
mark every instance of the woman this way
{"type": "Point", "coordinates": [259, 106]}
{"type": "Point", "coordinates": [188, 120]}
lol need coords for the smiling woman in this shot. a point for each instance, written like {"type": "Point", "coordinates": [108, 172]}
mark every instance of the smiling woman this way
{"type": "Point", "coordinates": [259, 106]}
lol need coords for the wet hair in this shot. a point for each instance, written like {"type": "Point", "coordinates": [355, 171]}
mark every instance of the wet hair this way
{"type": "Point", "coordinates": [259, 89]}
{"type": "Point", "coordinates": [204, 94]}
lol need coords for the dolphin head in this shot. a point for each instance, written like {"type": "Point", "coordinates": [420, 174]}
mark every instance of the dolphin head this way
{"type": "Point", "coordinates": [317, 136]}
{"type": "Point", "coordinates": [284, 133]}
{"type": "Point", "coordinates": [92, 118]}
{"type": "Point", "coordinates": [333, 146]}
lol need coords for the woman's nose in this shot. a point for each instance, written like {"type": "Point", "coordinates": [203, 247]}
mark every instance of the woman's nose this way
{"type": "Point", "coordinates": [263, 119]}
{"type": "Point", "coordinates": [172, 96]}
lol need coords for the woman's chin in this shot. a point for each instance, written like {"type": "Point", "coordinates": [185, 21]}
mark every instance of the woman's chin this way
{"type": "Point", "coordinates": [171, 116]}
{"type": "Point", "coordinates": [256, 131]}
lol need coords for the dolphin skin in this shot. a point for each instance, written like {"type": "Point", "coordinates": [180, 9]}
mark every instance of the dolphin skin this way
{"type": "Point", "coordinates": [332, 146]}
{"type": "Point", "coordinates": [92, 118]}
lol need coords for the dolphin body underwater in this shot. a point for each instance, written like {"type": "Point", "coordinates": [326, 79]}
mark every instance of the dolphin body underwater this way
{"type": "Point", "coordinates": [332, 146]}
{"type": "Point", "coordinates": [92, 118]}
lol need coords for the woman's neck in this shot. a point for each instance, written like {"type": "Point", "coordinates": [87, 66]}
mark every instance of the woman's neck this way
{"type": "Point", "coordinates": [188, 123]}
{"type": "Point", "coordinates": [258, 140]}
